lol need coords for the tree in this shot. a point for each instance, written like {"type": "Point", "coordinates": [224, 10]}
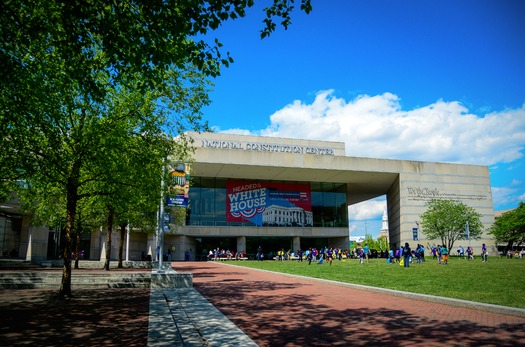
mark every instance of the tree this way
{"type": "Point", "coordinates": [509, 228]}
{"type": "Point", "coordinates": [76, 148]}
{"type": "Point", "coordinates": [62, 64]}
{"type": "Point", "coordinates": [447, 220]}
{"type": "Point", "coordinates": [369, 240]}
{"type": "Point", "coordinates": [382, 243]}
{"type": "Point", "coordinates": [136, 36]}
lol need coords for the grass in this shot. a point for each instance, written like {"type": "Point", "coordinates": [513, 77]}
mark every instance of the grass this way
{"type": "Point", "coordinates": [498, 281]}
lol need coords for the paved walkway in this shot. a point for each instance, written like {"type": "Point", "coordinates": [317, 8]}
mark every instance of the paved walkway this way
{"type": "Point", "coordinates": [94, 317]}
{"type": "Point", "coordinates": [235, 306]}
{"type": "Point", "coordinates": [283, 310]}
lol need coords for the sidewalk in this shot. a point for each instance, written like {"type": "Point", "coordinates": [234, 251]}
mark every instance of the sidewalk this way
{"type": "Point", "coordinates": [94, 317]}
{"type": "Point", "coordinates": [117, 316]}
{"type": "Point", "coordinates": [258, 308]}
{"type": "Point", "coordinates": [284, 310]}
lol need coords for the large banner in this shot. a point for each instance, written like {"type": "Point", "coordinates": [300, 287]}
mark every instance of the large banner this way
{"type": "Point", "coordinates": [269, 203]}
{"type": "Point", "coordinates": [179, 186]}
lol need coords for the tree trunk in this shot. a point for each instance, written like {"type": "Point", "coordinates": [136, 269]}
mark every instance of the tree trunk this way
{"type": "Point", "coordinates": [72, 199]}
{"type": "Point", "coordinates": [77, 246]}
{"type": "Point", "coordinates": [111, 217]}
{"type": "Point", "coordinates": [121, 245]}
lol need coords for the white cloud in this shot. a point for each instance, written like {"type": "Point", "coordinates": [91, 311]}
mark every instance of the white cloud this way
{"type": "Point", "coordinates": [371, 209]}
{"type": "Point", "coordinates": [377, 127]}
{"type": "Point", "coordinates": [366, 217]}
{"type": "Point", "coordinates": [504, 195]}
{"type": "Point", "coordinates": [516, 182]}
{"type": "Point", "coordinates": [235, 131]}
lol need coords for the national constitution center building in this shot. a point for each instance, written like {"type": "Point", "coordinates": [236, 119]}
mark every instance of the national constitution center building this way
{"type": "Point", "coordinates": [251, 191]}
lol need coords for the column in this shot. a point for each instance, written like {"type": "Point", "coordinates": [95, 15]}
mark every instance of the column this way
{"type": "Point", "coordinates": [241, 244]}
{"type": "Point", "coordinates": [296, 243]}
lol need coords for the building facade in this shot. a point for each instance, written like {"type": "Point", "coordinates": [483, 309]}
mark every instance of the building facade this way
{"type": "Point", "coordinates": [247, 192]}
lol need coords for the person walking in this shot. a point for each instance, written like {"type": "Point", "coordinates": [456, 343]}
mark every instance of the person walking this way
{"type": "Point", "coordinates": [407, 253]}
{"type": "Point", "coordinates": [483, 253]}
{"type": "Point", "coordinates": [418, 253]}
{"type": "Point", "coordinates": [366, 250]}
{"type": "Point", "coordinates": [470, 254]}
{"type": "Point", "coordinates": [330, 255]}
{"type": "Point", "coordinates": [259, 253]}
{"type": "Point", "coordinates": [444, 255]}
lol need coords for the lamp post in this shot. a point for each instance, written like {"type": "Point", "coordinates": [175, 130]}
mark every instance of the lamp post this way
{"type": "Point", "coordinates": [161, 221]}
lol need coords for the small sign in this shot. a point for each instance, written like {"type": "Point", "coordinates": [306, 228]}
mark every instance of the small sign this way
{"type": "Point", "coordinates": [177, 200]}
{"type": "Point", "coordinates": [415, 234]}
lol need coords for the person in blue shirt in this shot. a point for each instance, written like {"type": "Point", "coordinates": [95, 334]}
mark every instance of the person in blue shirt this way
{"type": "Point", "coordinates": [366, 250]}
{"type": "Point", "coordinates": [444, 255]}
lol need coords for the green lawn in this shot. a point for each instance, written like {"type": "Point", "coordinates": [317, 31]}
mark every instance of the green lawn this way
{"type": "Point", "coordinates": [498, 281]}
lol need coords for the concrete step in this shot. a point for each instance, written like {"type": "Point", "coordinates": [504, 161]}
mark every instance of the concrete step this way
{"type": "Point", "coordinates": [18, 264]}
{"type": "Point", "coordinates": [15, 264]}
{"type": "Point", "coordinates": [87, 279]}
{"type": "Point", "coordinates": [51, 280]}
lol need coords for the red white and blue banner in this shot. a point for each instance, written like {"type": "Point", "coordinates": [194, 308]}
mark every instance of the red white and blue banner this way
{"type": "Point", "coordinates": [269, 203]}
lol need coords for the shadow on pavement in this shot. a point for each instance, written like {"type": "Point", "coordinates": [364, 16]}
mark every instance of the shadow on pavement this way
{"type": "Point", "coordinates": [287, 314]}
{"type": "Point", "coordinates": [108, 317]}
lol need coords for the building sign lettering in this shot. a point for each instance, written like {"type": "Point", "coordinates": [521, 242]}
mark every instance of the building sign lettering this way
{"type": "Point", "coordinates": [426, 194]}
{"type": "Point", "coordinates": [267, 147]}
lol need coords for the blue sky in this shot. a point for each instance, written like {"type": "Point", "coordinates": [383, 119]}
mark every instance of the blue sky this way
{"type": "Point", "coordinates": [416, 80]}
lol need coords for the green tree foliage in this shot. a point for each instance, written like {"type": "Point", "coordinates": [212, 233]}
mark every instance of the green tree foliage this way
{"type": "Point", "coordinates": [446, 220]}
{"type": "Point", "coordinates": [80, 79]}
{"type": "Point", "coordinates": [369, 240]}
{"type": "Point", "coordinates": [382, 243]}
{"type": "Point", "coordinates": [70, 143]}
{"type": "Point", "coordinates": [136, 36]}
{"type": "Point", "coordinates": [509, 228]}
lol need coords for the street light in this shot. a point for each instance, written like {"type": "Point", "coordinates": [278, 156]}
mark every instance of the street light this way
{"type": "Point", "coordinates": [161, 221]}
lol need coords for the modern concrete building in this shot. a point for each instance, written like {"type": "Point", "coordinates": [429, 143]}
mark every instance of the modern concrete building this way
{"type": "Point", "coordinates": [329, 179]}
{"type": "Point", "coordinates": [250, 191]}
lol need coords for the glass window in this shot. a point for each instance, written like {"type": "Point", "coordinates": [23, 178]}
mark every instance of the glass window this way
{"type": "Point", "coordinates": [207, 201]}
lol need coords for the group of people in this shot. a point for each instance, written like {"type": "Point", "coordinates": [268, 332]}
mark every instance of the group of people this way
{"type": "Point", "coordinates": [516, 254]}
{"type": "Point", "coordinates": [406, 255]}
{"type": "Point", "coordinates": [441, 253]}
{"type": "Point", "coordinates": [319, 256]}
{"type": "Point", "coordinates": [324, 254]}
{"type": "Point", "coordinates": [217, 254]}
{"type": "Point", "coordinates": [465, 254]}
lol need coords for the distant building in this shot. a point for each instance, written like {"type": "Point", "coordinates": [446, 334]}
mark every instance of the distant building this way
{"type": "Point", "coordinates": [384, 227]}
